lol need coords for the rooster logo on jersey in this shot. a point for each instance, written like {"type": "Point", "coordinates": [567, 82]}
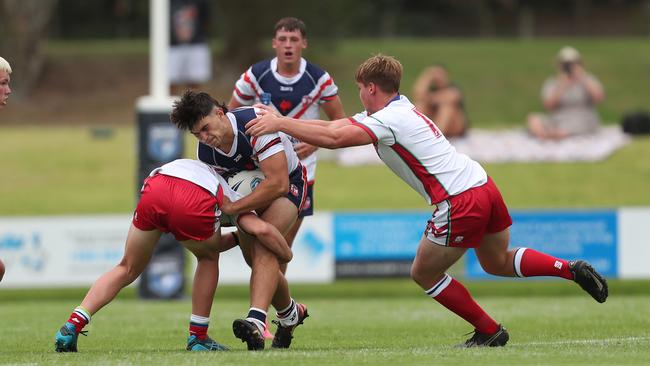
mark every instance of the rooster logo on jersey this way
{"type": "Point", "coordinates": [285, 106]}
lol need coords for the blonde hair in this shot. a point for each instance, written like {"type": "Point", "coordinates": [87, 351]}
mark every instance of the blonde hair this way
{"type": "Point", "coordinates": [4, 65]}
{"type": "Point", "coordinates": [385, 71]}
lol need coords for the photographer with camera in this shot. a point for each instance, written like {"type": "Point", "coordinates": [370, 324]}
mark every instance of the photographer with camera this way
{"type": "Point", "coordinates": [570, 97]}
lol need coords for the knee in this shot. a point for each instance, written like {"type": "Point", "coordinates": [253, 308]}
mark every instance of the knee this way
{"type": "Point", "coordinates": [129, 272]}
{"type": "Point", "coordinates": [496, 268]}
{"type": "Point", "coordinates": [419, 275]}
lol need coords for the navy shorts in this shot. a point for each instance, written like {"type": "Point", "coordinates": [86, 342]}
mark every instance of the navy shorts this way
{"type": "Point", "coordinates": [308, 207]}
{"type": "Point", "coordinates": [298, 187]}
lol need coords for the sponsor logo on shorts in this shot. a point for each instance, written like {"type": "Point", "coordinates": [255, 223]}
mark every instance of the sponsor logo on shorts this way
{"type": "Point", "coordinates": [294, 190]}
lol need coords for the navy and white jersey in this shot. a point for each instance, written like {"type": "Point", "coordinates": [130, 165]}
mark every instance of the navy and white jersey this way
{"type": "Point", "coordinates": [299, 96]}
{"type": "Point", "coordinates": [246, 151]}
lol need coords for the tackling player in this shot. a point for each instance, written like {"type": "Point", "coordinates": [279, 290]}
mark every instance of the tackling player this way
{"type": "Point", "coordinates": [468, 212]}
{"type": "Point", "coordinates": [295, 88]}
{"type": "Point", "coordinates": [183, 197]}
{"type": "Point", "coordinates": [279, 197]}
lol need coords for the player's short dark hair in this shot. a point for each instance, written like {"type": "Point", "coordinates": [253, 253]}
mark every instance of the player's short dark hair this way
{"type": "Point", "coordinates": [192, 107]}
{"type": "Point", "coordinates": [384, 71]}
{"type": "Point", "coordinates": [290, 24]}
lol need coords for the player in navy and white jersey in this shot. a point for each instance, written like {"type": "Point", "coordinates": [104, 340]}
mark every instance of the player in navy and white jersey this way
{"type": "Point", "coordinates": [278, 198]}
{"type": "Point", "coordinates": [248, 153]}
{"type": "Point", "coordinates": [295, 88]}
{"type": "Point", "coordinates": [469, 211]}
{"type": "Point", "coordinates": [183, 197]}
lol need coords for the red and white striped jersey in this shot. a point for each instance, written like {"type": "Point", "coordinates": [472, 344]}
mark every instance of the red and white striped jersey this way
{"type": "Point", "coordinates": [414, 148]}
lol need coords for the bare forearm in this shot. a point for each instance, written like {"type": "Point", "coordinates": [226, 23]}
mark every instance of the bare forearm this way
{"type": "Point", "coordinates": [314, 132]}
{"type": "Point", "coordinates": [265, 193]}
{"type": "Point", "coordinates": [273, 241]}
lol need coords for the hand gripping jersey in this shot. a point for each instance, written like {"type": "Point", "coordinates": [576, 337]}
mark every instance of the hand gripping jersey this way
{"type": "Point", "coordinates": [298, 97]}
{"type": "Point", "coordinates": [247, 151]}
{"type": "Point", "coordinates": [414, 148]}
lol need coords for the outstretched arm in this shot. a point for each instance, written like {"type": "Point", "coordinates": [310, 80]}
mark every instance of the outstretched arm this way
{"type": "Point", "coordinates": [331, 135]}
{"type": "Point", "coordinates": [267, 235]}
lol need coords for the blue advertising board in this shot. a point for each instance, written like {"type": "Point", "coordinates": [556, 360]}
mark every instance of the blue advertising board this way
{"type": "Point", "coordinates": [588, 235]}
{"type": "Point", "coordinates": [379, 236]}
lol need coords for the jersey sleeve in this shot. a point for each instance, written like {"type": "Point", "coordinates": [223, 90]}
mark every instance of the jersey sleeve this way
{"type": "Point", "coordinates": [224, 190]}
{"type": "Point", "coordinates": [245, 91]}
{"type": "Point", "coordinates": [267, 145]}
{"type": "Point", "coordinates": [330, 90]}
{"type": "Point", "coordinates": [375, 127]}
{"type": "Point", "coordinates": [227, 191]}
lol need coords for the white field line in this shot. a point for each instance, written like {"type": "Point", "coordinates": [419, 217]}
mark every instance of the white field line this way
{"type": "Point", "coordinates": [583, 341]}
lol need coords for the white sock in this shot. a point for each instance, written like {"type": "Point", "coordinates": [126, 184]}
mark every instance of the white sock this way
{"type": "Point", "coordinates": [197, 319]}
{"type": "Point", "coordinates": [291, 318]}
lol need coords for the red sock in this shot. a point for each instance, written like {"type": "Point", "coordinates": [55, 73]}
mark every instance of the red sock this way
{"type": "Point", "coordinates": [531, 263]}
{"type": "Point", "coordinates": [78, 319]}
{"type": "Point", "coordinates": [199, 330]}
{"type": "Point", "coordinates": [455, 297]}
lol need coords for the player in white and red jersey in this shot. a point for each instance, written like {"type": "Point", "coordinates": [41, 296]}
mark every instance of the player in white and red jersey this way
{"type": "Point", "coordinates": [469, 210]}
{"type": "Point", "coordinates": [295, 88]}
{"type": "Point", "coordinates": [278, 197]}
{"type": "Point", "coordinates": [183, 198]}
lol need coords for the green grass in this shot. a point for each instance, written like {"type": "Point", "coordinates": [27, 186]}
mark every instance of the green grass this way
{"type": "Point", "coordinates": [388, 322]}
{"type": "Point", "coordinates": [64, 170]}
{"type": "Point", "coordinates": [501, 78]}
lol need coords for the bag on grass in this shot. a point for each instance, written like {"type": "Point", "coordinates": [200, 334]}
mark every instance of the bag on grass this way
{"type": "Point", "coordinates": [636, 123]}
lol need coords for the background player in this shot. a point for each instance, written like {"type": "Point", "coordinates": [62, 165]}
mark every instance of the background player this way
{"type": "Point", "coordinates": [224, 145]}
{"type": "Point", "coordinates": [295, 88]}
{"type": "Point", "coordinates": [5, 90]}
{"type": "Point", "coordinates": [469, 210]}
{"type": "Point", "coordinates": [182, 197]}
{"type": "Point", "coordinates": [5, 79]}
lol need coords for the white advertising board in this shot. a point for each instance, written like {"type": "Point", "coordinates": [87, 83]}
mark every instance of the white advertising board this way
{"type": "Point", "coordinates": [60, 251]}
{"type": "Point", "coordinates": [313, 255]}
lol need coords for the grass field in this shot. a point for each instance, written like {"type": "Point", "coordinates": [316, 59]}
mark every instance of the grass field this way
{"type": "Point", "coordinates": [56, 168]}
{"type": "Point", "coordinates": [64, 170]}
{"type": "Point", "coordinates": [383, 322]}
{"type": "Point", "coordinates": [61, 169]}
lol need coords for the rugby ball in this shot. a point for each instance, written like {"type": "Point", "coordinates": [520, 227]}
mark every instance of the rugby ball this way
{"type": "Point", "coordinates": [246, 181]}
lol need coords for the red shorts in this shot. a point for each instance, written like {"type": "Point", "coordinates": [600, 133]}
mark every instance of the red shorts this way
{"type": "Point", "coordinates": [178, 206]}
{"type": "Point", "coordinates": [463, 220]}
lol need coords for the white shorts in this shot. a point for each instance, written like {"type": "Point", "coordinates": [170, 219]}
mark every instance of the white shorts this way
{"type": "Point", "coordinates": [190, 64]}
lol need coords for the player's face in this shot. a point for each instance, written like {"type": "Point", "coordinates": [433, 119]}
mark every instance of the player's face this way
{"type": "Point", "coordinates": [209, 129]}
{"type": "Point", "coordinates": [288, 45]}
{"type": "Point", "coordinates": [365, 95]}
{"type": "Point", "coordinates": [5, 90]}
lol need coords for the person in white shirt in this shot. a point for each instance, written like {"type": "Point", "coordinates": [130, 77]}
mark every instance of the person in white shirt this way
{"type": "Point", "coordinates": [468, 210]}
